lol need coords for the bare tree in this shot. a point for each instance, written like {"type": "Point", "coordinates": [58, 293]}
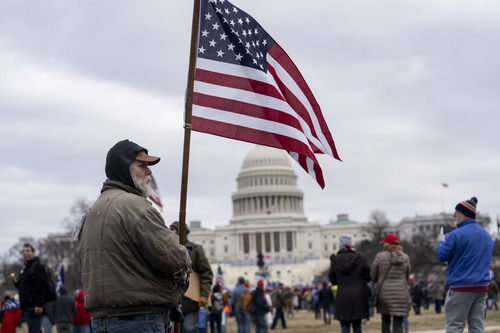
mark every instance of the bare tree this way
{"type": "Point", "coordinates": [77, 211]}
{"type": "Point", "coordinates": [376, 228]}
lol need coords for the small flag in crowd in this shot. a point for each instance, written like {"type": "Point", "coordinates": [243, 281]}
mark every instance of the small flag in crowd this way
{"type": "Point", "coordinates": [219, 278]}
{"type": "Point", "coordinates": [247, 88]}
{"type": "Point", "coordinates": [155, 196]}
{"type": "Point", "coordinates": [60, 279]}
{"type": "Point", "coordinates": [268, 261]}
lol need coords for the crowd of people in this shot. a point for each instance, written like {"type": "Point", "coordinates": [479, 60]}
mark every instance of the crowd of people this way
{"type": "Point", "coordinates": [40, 304]}
{"type": "Point", "coordinates": [137, 277]}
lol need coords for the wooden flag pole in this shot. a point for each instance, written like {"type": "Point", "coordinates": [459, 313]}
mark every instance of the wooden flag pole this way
{"type": "Point", "coordinates": [187, 120]}
{"type": "Point", "coordinates": [187, 128]}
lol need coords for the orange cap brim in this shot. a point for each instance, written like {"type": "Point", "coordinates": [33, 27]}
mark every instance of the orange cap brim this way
{"type": "Point", "coordinates": [149, 159]}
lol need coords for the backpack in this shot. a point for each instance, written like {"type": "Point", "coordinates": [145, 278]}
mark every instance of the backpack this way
{"type": "Point", "coordinates": [248, 302]}
{"type": "Point", "coordinates": [240, 302]}
{"type": "Point", "coordinates": [217, 305]}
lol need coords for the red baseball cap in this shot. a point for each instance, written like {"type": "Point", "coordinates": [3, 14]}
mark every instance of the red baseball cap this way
{"type": "Point", "coordinates": [260, 283]}
{"type": "Point", "coordinates": [390, 239]}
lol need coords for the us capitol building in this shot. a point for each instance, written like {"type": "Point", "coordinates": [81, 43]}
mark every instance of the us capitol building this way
{"type": "Point", "coordinates": [268, 217]}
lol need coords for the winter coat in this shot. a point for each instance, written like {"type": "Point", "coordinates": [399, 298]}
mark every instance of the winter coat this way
{"type": "Point", "coordinates": [217, 303]}
{"type": "Point", "coordinates": [350, 272]}
{"type": "Point", "coordinates": [82, 316]}
{"type": "Point", "coordinates": [33, 285]}
{"type": "Point", "coordinates": [259, 305]}
{"type": "Point", "coordinates": [393, 294]}
{"type": "Point", "coordinates": [131, 262]}
{"type": "Point", "coordinates": [492, 287]}
{"type": "Point", "coordinates": [325, 297]}
{"type": "Point", "coordinates": [201, 266]}
{"type": "Point", "coordinates": [468, 250]}
{"type": "Point", "coordinates": [63, 310]}
{"type": "Point", "coordinates": [437, 292]}
{"type": "Point", "coordinates": [11, 316]}
{"type": "Point", "coordinates": [277, 298]}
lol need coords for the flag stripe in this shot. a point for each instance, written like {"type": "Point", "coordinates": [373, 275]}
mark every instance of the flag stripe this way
{"type": "Point", "coordinates": [225, 80]}
{"type": "Point", "coordinates": [250, 122]}
{"type": "Point", "coordinates": [247, 109]}
{"type": "Point", "coordinates": [299, 109]}
{"type": "Point", "coordinates": [251, 135]}
{"type": "Point", "coordinates": [303, 93]}
{"type": "Point", "coordinates": [252, 98]}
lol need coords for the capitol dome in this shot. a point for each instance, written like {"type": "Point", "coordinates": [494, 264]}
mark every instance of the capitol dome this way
{"type": "Point", "coordinates": [267, 189]}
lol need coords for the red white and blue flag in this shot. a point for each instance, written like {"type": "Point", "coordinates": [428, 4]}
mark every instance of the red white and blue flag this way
{"type": "Point", "coordinates": [219, 278]}
{"type": "Point", "coordinates": [60, 279]}
{"type": "Point", "coordinates": [247, 88]}
{"type": "Point", "coordinates": [154, 194]}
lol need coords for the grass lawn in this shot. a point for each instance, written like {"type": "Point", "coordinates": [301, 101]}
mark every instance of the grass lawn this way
{"type": "Point", "coordinates": [304, 322]}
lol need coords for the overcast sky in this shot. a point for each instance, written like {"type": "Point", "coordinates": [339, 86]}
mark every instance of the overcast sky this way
{"type": "Point", "coordinates": [409, 89]}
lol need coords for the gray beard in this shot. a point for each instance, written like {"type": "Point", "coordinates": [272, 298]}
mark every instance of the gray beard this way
{"type": "Point", "coordinates": [142, 185]}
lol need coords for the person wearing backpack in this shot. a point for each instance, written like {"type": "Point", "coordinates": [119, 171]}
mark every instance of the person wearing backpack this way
{"type": "Point", "coordinates": [238, 297]}
{"type": "Point", "coordinates": [35, 288]}
{"type": "Point", "coordinates": [215, 309]}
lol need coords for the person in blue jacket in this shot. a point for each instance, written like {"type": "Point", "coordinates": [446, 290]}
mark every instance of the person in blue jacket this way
{"type": "Point", "coordinates": [468, 250]}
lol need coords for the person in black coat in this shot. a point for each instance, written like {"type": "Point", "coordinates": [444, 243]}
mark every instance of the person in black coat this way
{"type": "Point", "coordinates": [351, 272]}
{"type": "Point", "coordinates": [259, 308]}
{"type": "Point", "coordinates": [34, 288]}
{"type": "Point", "coordinates": [325, 301]}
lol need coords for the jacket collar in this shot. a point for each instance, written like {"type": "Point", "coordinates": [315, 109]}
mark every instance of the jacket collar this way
{"type": "Point", "coordinates": [464, 223]}
{"type": "Point", "coordinates": [114, 184]}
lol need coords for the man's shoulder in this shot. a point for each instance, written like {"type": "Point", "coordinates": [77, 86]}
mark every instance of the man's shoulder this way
{"type": "Point", "coordinates": [117, 199]}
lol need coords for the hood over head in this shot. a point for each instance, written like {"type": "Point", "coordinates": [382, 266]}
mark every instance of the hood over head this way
{"type": "Point", "coordinates": [80, 296]}
{"type": "Point", "coordinates": [121, 156]}
{"type": "Point", "coordinates": [346, 261]}
{"type": "Point", "coordinates": [397, 258]}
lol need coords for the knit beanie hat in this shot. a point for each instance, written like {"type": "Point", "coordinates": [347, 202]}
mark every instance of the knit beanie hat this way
{"type": "Point", "coordinates": [467, 207]}
{"type": "Point", "coordinates": [345, 241]}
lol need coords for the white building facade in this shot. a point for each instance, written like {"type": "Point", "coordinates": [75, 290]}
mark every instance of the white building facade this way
{"type": "Point", "coordinates": [268, 218]}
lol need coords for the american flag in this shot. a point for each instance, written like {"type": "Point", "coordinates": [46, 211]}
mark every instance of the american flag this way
{"type": "Point", "coordinates": [247, 88]}
{"type": "Point", "coordinates": [219, 278]}
{"type": "Point", "coordinates": [60, 279]}
{"type": "Point", "coordinates": [154, 195]}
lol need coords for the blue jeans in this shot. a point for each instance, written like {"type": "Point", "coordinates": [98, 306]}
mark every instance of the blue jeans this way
{"type": "Point", "coordinates": [151, 323]}
{"type": "Point", "coordinates": [260, 324]}
{"type": "Point", "coordinates": [493, 301]}
{"type": "Point", "coordinates": [242, 321]}
{"type": "Point", "coordinates": [34, 324]}
{"type": "Point", "coordinates": [345, 326]}
{"type": "Point", "coordinates": [278, 315]}
{"type": "Point", "coordinates": [190, 324]}
{"type": "Point", "coordinates": [81, 328]}
{"type": "Point", "coordinates": [215, 321]}
{"type": "Point", "coordinates": [46, 324]}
